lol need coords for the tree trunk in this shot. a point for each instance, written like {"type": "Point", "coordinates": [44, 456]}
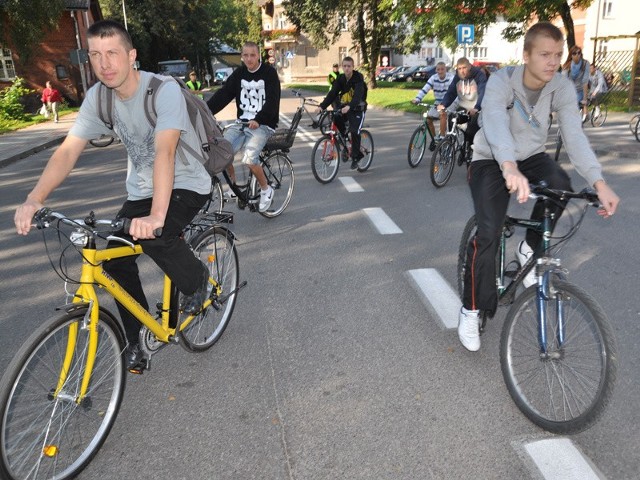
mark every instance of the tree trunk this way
{"type": "Point", "coordinates": [567, 20]}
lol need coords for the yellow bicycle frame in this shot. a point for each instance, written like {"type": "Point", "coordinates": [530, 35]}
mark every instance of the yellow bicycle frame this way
{"type": "Point", "coordinates": [92, 273]}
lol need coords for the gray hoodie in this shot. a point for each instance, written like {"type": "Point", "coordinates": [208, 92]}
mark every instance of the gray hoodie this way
{"type": "Point", "coordinates": [512, 130]}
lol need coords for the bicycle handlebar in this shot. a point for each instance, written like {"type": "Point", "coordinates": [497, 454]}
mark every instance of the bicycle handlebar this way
{"type": "Point", "coordinates": [304, 99]}
{"type": "Point", "coordinates": [44, 218]}
{"type": "Point", "coordinates": [542, 190]}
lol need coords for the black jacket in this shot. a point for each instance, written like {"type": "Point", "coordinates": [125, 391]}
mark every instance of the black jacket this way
{"type": "Point", "coordinates": [352, 92]}
{"type": "Point", "coordinates": [257, 95]}
{"type": "Point", "coordinates": [476, 76]}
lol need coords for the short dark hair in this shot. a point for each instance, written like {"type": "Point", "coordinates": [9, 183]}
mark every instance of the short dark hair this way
{"type": "Point", "coordinates": [541, 29]}
{"type": "Point", "coordinates": [336, 65]}
{"type": "Point", "coordinates": [251, 45]}
{"type": "Point", "coordinates": [110, 28]}
{"type": "Point", "coordinates": [348, 59]}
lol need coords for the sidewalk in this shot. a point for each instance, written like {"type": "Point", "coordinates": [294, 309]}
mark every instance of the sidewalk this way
{"type": "Point", "coordinates": [30, 140]}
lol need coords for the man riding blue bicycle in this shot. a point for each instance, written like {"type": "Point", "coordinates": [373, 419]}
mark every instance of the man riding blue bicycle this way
{"type": "Point", "coordinates": [509, 155]}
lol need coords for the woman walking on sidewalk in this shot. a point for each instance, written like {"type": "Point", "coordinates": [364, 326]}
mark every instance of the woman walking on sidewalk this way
{"type": "Point", "coordinates": [50, 99]}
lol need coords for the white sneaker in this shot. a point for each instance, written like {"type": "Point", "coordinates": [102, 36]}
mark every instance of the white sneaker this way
{"type": "Point", "coordinates": [523, 254]}
{"type": "Point", "coordinates": [469, 329]}
{"type": "Point", "coordinates": [266, 196]}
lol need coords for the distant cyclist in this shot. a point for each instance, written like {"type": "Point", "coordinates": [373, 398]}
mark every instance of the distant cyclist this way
{"type": "Point", "coordinates": [509, 154]}
{"type": "Point", "coordinates": [438, 82]}
{"type": "Point", "coordinates": [467, 87]}
{"type": "Point", "coordinates": [597, 85]}
{"type": "Point", "coordinates": [351, 89]}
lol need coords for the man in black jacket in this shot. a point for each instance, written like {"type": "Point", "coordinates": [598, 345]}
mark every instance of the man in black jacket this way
{"type": "Point", "coordinates": [351, 89]}
{"type": "Point", "coordinates": [256, 89]}
{"type": "Point", "coordinates": [468, 88]}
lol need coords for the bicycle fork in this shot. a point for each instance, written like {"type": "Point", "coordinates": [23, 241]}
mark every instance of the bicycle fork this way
{"type": "Point", "coordinates": [544, 295]}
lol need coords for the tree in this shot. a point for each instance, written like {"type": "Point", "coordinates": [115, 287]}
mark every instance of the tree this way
{"type": "Point", "coordinates": [30, 22]}
{"type": "Point", "coordinates": [234, 22]}
{"type": "Point", "coordinates": [370, 25]}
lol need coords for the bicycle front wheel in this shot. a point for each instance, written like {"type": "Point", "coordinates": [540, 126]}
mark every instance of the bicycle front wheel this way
{"type": "Point", "coordinates": [366, 149]}
{"type": "Point", "coordinates": [568, 388]}
{"type": "Point", "coordinates": [216, 250]}
{"type": "Point", "coordinates": [325, 159]}
{"type": "Point", "coordinates": [46, 430]}
{"type": "Point", "coordinates": [279, 172]}
{"type": "Point", "coordinates": [636, 131]}
{"type": "Point", "coordinates": [442, 163]}
{"type": "Point", "coordinates": [598, 115]}
{"type": "Point", "coordinates": [417, 146]}
{"type": "Point", "coordinates": [633, 123]}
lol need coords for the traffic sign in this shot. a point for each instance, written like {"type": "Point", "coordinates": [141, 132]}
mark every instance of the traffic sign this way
{"type": "Point", "coordinates": [466, 33]}
{"type": "Point", "coordinates": [289, 55]}
{"type": "Point", "coordinates": [272, 60]}
{"type": "Point", "coordinates": [271, 52]}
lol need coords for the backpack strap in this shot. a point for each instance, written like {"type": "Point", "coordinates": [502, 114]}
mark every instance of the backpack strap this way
{"type": "Point", "coordinates": [105, 105]}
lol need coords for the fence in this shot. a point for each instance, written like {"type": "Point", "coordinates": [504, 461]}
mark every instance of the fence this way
{"type": "Point", "coordinates": [622, 72]}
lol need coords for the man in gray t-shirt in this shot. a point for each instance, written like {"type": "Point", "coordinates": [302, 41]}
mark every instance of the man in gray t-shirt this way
{"type": "Point", "coordinates": [163, 192]}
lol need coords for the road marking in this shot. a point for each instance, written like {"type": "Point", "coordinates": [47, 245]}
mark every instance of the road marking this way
{"type": "Point", "coordinates": [437, 295]}
{"type": "Point", "coordinates": [560, 459]}
{"type": "Point", "coordinates": [381, 221]}
{"type": "Point", "coordinates": [350, 184]}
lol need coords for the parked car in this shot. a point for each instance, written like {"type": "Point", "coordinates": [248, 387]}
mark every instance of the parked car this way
{"type": "Point", "coordinates": [490, 66]}
{"type": "Point", "coordinates": [405, 75]}
{"type": "Point", "coordinates": [385, 74]}
{"type": "Point", "coordinates": [221, 75]}
{"type": "Point", "coordinates": [424, 73]}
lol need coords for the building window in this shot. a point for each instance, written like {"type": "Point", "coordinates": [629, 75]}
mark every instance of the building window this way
{"type": "Point", "coordinates": [7, 68]}
{"type": "Point", "coordinates": [607, 9]}
{"type": "Point", "coordinates": [342, 52]}
{"type": "Point", "coordinates": [439, 52]}
{"type": "Point", "coordinates": [282, 22]}
{"type": "Point", "coordinates": [344, 23]}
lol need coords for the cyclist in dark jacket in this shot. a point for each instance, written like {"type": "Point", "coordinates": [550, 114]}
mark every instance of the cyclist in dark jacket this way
{"type": "Point", "coordinates": [351, 90]}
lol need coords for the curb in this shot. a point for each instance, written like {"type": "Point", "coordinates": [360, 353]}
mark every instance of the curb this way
{"type": "Point", "coordinates": [30, 151]}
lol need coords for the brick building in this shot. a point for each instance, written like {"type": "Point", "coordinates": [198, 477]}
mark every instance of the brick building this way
{"type": "Point", "coordinates": [56, 57]}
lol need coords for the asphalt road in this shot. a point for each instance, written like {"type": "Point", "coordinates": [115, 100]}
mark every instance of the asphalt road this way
{"type": "Point", "coordinates": [332, 366]}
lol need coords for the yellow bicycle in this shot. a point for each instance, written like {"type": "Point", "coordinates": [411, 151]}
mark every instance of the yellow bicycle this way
{"type": "Point", "coordinates": [61, 394]}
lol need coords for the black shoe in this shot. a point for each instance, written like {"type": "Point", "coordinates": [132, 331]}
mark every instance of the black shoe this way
{"type": "Point", "coordinates": [354, 164]}
{"type": "Point", "coordinates": [134, 357]}
{"type": "Point", "coordinates": [432, 146]}
{"type": "Point", "coordinates": [192, 304]}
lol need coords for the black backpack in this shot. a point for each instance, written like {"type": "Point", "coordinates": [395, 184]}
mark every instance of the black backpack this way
{"type": "Point", "coordinates": [216, 152]}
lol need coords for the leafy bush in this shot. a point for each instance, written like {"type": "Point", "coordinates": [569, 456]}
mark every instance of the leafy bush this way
{"type": "Point", "coordinates": [11, 107]}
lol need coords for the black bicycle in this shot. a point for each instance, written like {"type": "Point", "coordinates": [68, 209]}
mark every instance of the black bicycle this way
{"type": "Point", "coordinates": [558, 352]}
{"type": "Point", "coordinates": [335, 146]}
{"type": "Point", "coordinates": [453, 148]}
{"type": "Point", "coordinates": [421, 139]}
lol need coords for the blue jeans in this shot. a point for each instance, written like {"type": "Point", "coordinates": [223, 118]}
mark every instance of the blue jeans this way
{"type": "Point", "coordinates": [253, 141]}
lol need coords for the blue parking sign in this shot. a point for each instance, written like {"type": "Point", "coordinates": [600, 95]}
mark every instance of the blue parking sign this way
{"type": "Point", "coordinates": [466, 33]}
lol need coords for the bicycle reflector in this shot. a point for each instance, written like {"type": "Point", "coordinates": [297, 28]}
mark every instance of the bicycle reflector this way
{"type": "Point", "coordinates": [50, 451]}
{"type": "Point", "coordinates": [211, 258]}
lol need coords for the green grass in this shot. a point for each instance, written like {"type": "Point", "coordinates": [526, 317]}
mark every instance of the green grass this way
{"type": "Point", "coordinates": [396, 96]}
{"type": "Point", "coordinates": [30, 119]}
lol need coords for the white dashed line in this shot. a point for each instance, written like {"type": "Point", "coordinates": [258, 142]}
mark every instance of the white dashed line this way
{"type": "Point", "coordinates": [350, 184]}
{"type": "Point", "coordinates": [560, 459]}
{"type": "Point", "coordinates": [381, 221]}
{"type": "Point", "coordinates": [437, 295]}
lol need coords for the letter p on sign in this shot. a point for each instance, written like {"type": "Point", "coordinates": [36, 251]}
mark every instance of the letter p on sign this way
{"type": "Point", "coordinates": [466, 33]}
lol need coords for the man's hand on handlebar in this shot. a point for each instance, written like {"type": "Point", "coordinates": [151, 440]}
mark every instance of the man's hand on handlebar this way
{"type": "Point", "coordinates": [608, 199]}
{"type": "Point", "coordinates": [143, 227]}
{"type": "Point", "coordinates": [515, 181]}
{"type": "Point", "coordinates": [24, 215]}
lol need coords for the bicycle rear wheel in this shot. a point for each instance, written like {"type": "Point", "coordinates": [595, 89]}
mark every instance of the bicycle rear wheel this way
{"type": "Point", "coordinates": [366, 149]}
{"type": "Point", "coordinates": [566, 390]}
{"type": "Point", "coordinates": [102, 141]}
{"type": "Point", "coordinates": [636, 131]}
{"type": "Point", "coordinates": [417, 146]}
{"type": "Point", "coordinates": [598, 115]}
{"type": "Point", "coordinates": [46, 432]}
{"type": "Point", "coordinates": [279, 172]}
{"type": "Point", "coordinates": [216, 250]}
{"type": "Point", "coordinates": [633, 123]}
{"type": "Point", "coordinates": [325, 159]}
{"type": "Point", "coordinates": [442, 163]}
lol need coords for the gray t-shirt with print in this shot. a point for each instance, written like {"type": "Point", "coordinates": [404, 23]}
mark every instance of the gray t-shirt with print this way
{"type": "Point", "coordinates": [137, 135]}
